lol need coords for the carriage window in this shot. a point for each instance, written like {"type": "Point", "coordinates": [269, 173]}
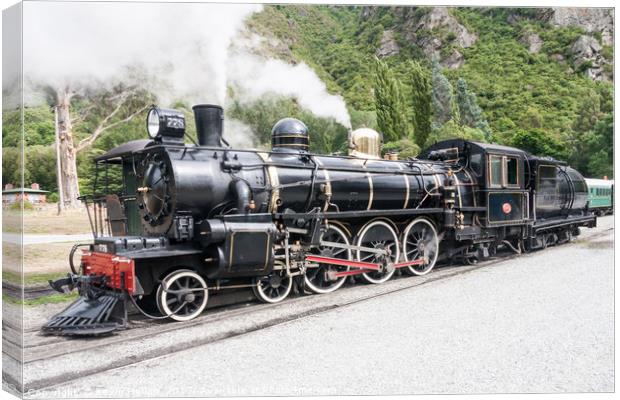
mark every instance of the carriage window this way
{"type": "Point", "coordinates": [495, 170]}
{"type": "Point", "coordinates": [512, 171]}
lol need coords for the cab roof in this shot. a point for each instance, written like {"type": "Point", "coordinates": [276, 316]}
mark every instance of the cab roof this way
{"type": "Point", "coordinates": [483, 147]}
{"type": "Point", "coordinates": [125, 149]}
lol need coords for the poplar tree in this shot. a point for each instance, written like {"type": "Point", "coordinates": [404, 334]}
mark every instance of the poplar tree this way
{"type": "Point", "coordinates": [469, 111]}
{"type": "Point", "coordinates": [421, 93]}
{"type": "Point", "coordinates": [442, 98]}
{"type": "Point", "coordinates": [389, 103]}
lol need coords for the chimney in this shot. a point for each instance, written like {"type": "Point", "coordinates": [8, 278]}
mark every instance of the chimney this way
{"type": "Point", "coordinates": [8, 186]}
{"type": "Point", "coordinates": [209, 124]}
{"type": "Point", "coordinates": [34, 186]}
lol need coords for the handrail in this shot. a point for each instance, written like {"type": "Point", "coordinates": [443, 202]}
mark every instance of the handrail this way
{"type": "Point", "coordinates": [178, 147]}
{"type": "Point", "coordinates": [99, 221]}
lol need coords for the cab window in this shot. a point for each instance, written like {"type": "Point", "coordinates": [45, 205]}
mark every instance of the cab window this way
{"type": "Point", "coordinates": [503, 171]}
{"type": "Point", "coordinates": [495, 178]}
{"type": "Point", "coordinates": [512, 171]}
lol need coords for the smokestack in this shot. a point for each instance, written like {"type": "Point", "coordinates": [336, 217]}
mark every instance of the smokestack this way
{"type": "Point", "coordinates": [209, 124]}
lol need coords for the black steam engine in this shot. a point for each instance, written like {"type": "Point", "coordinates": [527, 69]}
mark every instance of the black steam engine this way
{"type": "Point", "coordinates": [187, 220]}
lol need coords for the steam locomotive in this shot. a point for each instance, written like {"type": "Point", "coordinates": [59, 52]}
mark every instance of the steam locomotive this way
{"type": "Point", "coordinates": [188, 220]}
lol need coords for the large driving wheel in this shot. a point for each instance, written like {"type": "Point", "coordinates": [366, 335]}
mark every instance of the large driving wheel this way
{"type": "Point", "coordinates": [182, 295]}
{"type": "Point", "coordinates": [420, 241]}
{"type": "Point", "coordinates": [317, 279]}
{"type": "Point", "coordinates": [379, 235]}
{"type": "Point", "coordinates": [274, 287]}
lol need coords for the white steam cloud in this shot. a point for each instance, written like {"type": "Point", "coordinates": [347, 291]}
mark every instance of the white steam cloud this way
{"type": "Point", "coordinates": [193, 52]}
{"type": "Point", "coordinates": [256, 77]}
{"type": "Point", "coordinates": [88, 44]}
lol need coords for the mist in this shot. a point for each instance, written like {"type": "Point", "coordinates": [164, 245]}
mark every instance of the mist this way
{"type": "Point", "coordinates": [189, 52]}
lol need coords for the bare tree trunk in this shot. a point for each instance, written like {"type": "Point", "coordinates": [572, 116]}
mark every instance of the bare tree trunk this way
{"type": "Point", "coordinates": [69, 188]}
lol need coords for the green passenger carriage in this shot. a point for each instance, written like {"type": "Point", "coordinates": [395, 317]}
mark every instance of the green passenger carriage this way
{"type": "Point", "coordinates": [600, 195]}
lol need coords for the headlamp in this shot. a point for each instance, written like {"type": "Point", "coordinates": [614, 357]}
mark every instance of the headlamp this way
{"type": "Point", "coordinates": [162, 122]}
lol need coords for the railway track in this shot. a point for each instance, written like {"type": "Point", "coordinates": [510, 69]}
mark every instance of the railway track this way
{"type": "Point", "coordinates": [51, 360]}
{"type": "Point", "coordinates": [29, 292]}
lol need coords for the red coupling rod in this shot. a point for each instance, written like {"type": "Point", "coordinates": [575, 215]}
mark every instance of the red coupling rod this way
{"type": "Point", "coordinates": [344, 263]}
{"type": "Point", "coordinates": [351, 272]}
{"type": "Point", "coordinates": [419, 261]}
{"type": "Point", "coordinates": [361, 266]}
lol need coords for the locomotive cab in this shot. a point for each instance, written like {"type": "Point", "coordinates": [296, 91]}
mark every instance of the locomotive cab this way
{"type": "Point", "coordinates": [507, 198]}
{"type": "Point", "coordinates": [113, 195]}
{"type": "Point", "coordinates": [500, 197]}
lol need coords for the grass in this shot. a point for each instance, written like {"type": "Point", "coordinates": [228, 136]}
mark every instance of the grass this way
{"type": "Point", "coordinates": [36, 279]}
{"type": "Point", "coordinates": [51, 299]}
{"type": "Point", "coordinates": [31, 279]}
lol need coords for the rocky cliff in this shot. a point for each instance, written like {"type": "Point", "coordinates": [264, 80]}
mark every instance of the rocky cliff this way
{"type": "Point", "coordinates": [439, 34]}
{"type": "Point", "coordinates": [435, 30]}
{"type": "Point", "coordinates": [591, 20]}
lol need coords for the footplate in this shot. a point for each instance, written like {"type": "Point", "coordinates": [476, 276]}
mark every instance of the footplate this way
{"type": "Point", "coordinates": [90, 316]}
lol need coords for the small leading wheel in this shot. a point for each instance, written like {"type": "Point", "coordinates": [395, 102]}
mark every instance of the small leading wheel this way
{"type": "Point", "coordinates": [420, 241]}
{"type": "Point", "coordinates": [274, 287]}
{"type": "Point", "coordinates": [379, 235]}
{"type": "Point", "coordinates": [317, 279]}
{"type": "Point", "coordinates": [182, 295]}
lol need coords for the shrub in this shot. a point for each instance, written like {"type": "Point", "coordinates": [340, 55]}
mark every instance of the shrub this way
{"type": "Point", "coordinates": [17, 206]}
{"type": "Point", "coordinates": [405, 148]}
{"type": "Point", "coordinates": [53, 197]}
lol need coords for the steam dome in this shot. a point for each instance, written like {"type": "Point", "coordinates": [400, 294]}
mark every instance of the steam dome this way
{"type": "Point", "coordinates": [366, 143]}
{"type": "Point", "coordinates": [290, 133]}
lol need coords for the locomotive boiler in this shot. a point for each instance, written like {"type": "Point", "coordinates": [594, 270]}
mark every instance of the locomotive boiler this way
{"type": "Point", "coordinates": [188, 220]}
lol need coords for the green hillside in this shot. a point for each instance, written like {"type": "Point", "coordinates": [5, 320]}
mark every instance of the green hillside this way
{"type": "Point", "coordinates": [542, 102]}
